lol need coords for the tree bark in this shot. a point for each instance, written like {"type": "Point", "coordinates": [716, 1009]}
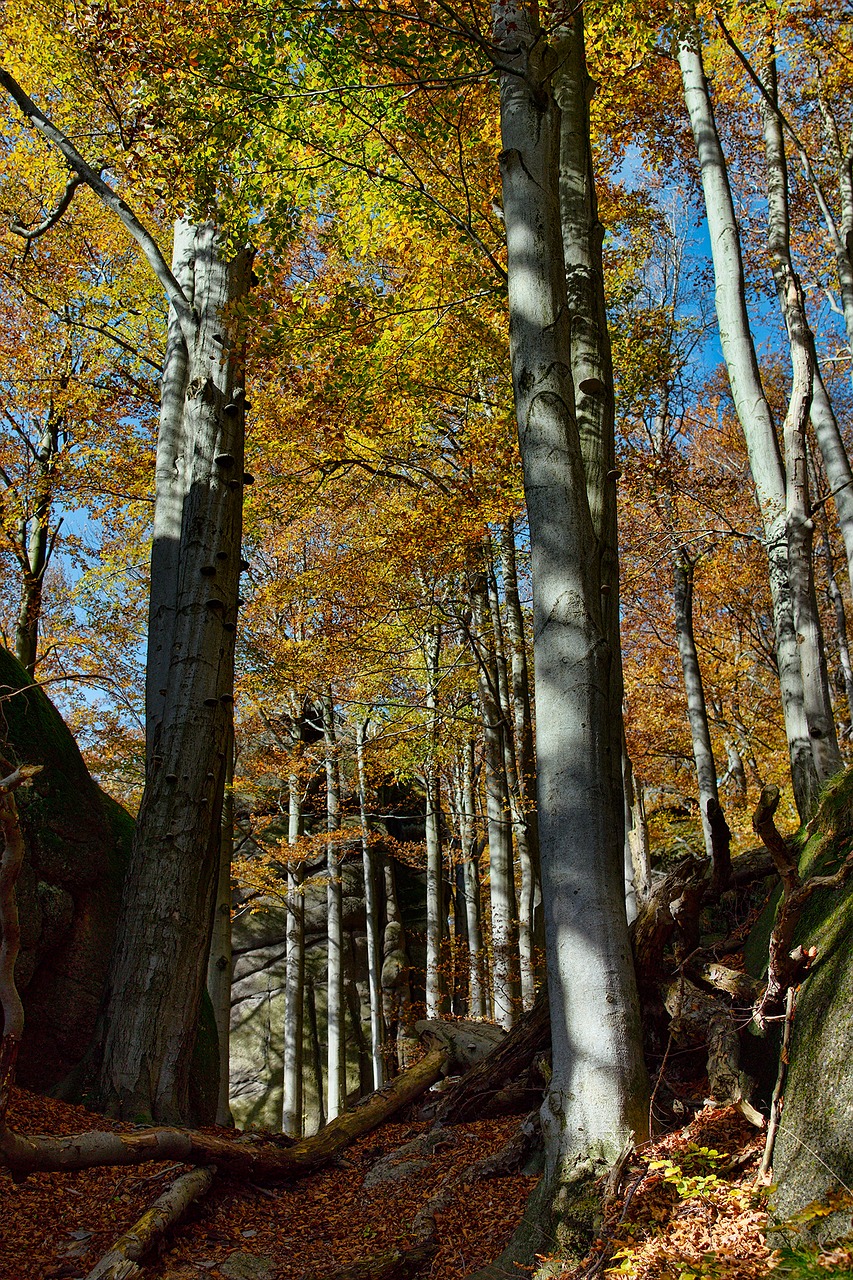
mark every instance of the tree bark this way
{"type": "Point", "coordinates": [159, 966]}
{"type": "Point", "coordinates": [598, 1088]}
{"type": "Point", "coordinates": [471, 879]}
{"type": "Point", "coordinates": [219, 965]}
{"type": "Point", "coordinates": [435, 876]}
{"type": "Point", "coordinates": [697, 710]}
{"type": "Point", "coordinates": [168, 1209]}
{"type": "Point", "coordinates": [504, 911]}
{"type": "Point", "coordinates": [798, 508]}
{"type": "Point", "coordinates": [753, 412]}
{"type": "Point", "coordinates": [294, 981]}
{"type": "Point", "coordinates": [335, 1013]}
{"type": "Point", "coordinates": [371, 911]}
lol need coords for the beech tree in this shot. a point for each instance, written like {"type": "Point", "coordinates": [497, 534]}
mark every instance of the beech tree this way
{"type": "Point", "coordinates": [596, 1098]}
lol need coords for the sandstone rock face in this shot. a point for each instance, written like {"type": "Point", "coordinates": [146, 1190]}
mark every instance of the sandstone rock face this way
{"type": "Point", "coordinates": [77, 844]}
{"type": "Point", "coordinates": [813, 1157]}
{"type": "Point", "coordinates": [257, 996]}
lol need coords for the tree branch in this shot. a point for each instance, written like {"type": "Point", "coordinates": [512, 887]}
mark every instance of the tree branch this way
{"type": "Point", "coordinates": [33, 233]}
{"type": "Point", "coordinates": [108, 197]}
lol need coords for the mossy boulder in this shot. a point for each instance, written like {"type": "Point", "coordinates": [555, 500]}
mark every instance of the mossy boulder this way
{"type": "Point", "coordinates": [813, 1158]}
{"type": "Point", "coordinates": [77, 845]}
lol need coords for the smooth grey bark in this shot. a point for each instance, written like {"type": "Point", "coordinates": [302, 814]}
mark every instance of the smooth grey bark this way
{"type": "Point", "coordinates": [294, 981]}
{"type": "Point", "coordinates": [753, 413]}
{"type": "Point", "coordinates": [219, 965]}
{"type": "Point", "coordinates": [697, 710]}
{"type": "Point", "coordinates": [516, 810]}
{"type": "Point", "coordinates": [591, 355]}
{"type": "Point", "coordinates": [335, 1017]}
{"type": "Point", "coordinates": [799, 522]}
{"type": "Point", "coordinates": [434, 868]}
{"type": "Point", "coordinates": [160, 962]}
{"type": "Point", "coordinates": [598, 1092]}
{"type": "Point", "coordinates": [502, 901]}
{"type": "Point", "coordinates": [530, 896]}
{"type": "Point", "coordinates": [471, 881]}
{"type": "Point", "coordinates": [371, 911]}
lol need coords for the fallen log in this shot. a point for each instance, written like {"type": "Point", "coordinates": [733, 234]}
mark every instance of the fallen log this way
{"type": "Point", "coordinates": [120, 1263]}
{"type": "Point", "coordinates": [241, 1157]}
{"type": "Point", "coordinates": [477, 1093]}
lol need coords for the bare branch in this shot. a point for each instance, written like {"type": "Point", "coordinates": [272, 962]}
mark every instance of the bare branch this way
{"type": "Point", "coordinates": [109, 198]}
{"type": "Point", "coordinates": [33, 233]}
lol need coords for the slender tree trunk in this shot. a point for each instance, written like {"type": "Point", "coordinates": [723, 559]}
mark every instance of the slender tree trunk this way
{"type": "Point", "coordinates": [753, 413]}
{"type": "Point", "coordinates": [530, 904]}
{"type": "Point", "coordinates": [836, 599]}
{"type": "Point", "coordinates": [471, 877]}
{"type": "Point", "coordinates": [504, 911]}
{"type": "Point", "coordinates": [34, 546]}
{"type": "Point", "coordinates": [598, 1091]}
{"type": "Point", "coordinates": [152, 1008]}
{"type": "Point", "coordinates": [798, 511]}
{"type": "Point", "coordinates": [219, 966]}
{"type": "Point", "coordinates": [697, 711]}
{"type": "Point", "coordinates": [335, 1014]}
{"type": "Point", "coordinates": [515, 802]}
{"type": "Point", "coordinates": [435, 878]}
{"type": "Point", "coordinates": [294, 983]}
{"type": "Point", "coordinates": [371, 911]}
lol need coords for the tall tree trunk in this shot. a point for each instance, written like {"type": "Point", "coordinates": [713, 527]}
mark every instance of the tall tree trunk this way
{"type": "Point", "coordinates": [598, 1091]}
{"type": "Point", "coordinates": [335, 1012]}
{"type": "Point", "coordinates": [504, 911]}
{"type": "Point", "coordinates": [294, 982]}
{"type": "Point", "coordinates": [435, 877]}
{"type": "Point", "coordinates": [697, 711]}
{"type": "Point", "coordinates": [798, 511]}
{"type": "Point", "coordinates": [515, 801]}
{"type": "Point", "coordinates": [219, 965]}
{"type": "Point", "coordinates": [160, 962]}
{"type": "Point", "coordinates": [471, 879]}
{"type": "Point", "coordinates": [591, 359]}
{"type": "Point", "coordinates": [530, 903]}
{"type": "Point", "coordinates": [753, 413]}
{"type": "Point", "coordinates": [371, 911]}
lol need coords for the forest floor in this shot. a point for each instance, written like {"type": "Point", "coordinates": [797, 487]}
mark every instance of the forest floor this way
{"type": "Point", "coordinates": [689, 1207]}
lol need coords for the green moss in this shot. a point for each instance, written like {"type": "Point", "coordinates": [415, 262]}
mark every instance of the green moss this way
{"type": "Point", "coordinates": [814, 1153]}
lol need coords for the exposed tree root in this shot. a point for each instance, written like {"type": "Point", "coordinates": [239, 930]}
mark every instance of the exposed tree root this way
{"type": "Point", "coordinates": [243, 1157]}
{"type": "Point", "coordinates": [120, 1263]}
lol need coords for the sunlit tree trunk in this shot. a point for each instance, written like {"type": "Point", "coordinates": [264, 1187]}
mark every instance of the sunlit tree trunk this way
{"type": "Point", "coordinates": [471, 880]}
{"type": "Point", "coordinates": [371, 911]}
{"type": "Point", "coordinates": [598, 1091]}
{"type": "Point", "coordinates": [160, 962]}
{"type": "Point", "coordinates": [294, 983]}
{"type": "Point", "coordinates": [753, 413]}
{"type": "Point", "coordinates": [435, 878]}
{"type": "Point", "coordinates": [502, 902]}
{"type": "Point", "coordinates": [697, 710]}
{"type": "Point", "coordinates": [515, 801]}
{"type": "Point", "coordinates": [798, 511]}
{"type": "Point", "coordinates": [335, 1016]}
